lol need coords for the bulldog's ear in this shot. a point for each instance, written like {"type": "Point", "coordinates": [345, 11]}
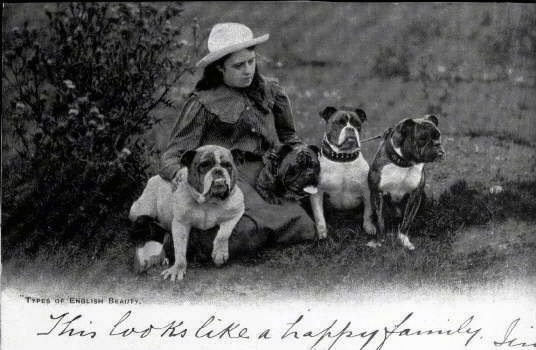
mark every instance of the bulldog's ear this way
{"type": "Point", "coordinates": [273, 157]}
{"type": "Point", "coordinates": [328, 112]}
{"type": "Point", "coordinates": [187, 158]}
{"type": "Point", "coordinates": [402, 130]}
{"type": "Point", "coordinates": [361, 114]}
{"type": "Point", "coordinates": [433, 119]}
{"type": "Point", "coordinates": [282, 150]}
{"type": "Point", "coordinates": [314, 148]}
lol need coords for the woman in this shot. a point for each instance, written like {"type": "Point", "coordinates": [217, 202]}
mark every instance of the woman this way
{"type": "Point", "coordinates": [235, 107]}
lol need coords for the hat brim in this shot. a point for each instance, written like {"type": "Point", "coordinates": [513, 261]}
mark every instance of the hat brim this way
{"type": "Point", "coordinates": [216, 55]}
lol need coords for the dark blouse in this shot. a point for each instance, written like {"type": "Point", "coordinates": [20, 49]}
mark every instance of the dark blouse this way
{"type": "Point", "coordinates": [227, 117]}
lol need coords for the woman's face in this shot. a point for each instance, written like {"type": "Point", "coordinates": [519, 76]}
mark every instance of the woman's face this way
{"type": "Point", "coordinates": [239, 68]}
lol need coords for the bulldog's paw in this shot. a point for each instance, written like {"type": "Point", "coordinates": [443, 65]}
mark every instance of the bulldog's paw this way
{"type": "Point", "coordinates": [322, 231]}
{"type": "Point", "coordinates": [220, 252]}
{"type": "Point", "coordinates": [404, 239]}
{"type": "Point", "coordinates": [175, 273]}
{"type": "Point", "coordinates": [374, 244]}
{"type": "Point", "coordinates": [369, 227]}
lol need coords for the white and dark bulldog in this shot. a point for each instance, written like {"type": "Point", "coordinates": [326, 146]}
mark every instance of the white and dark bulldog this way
{"type": "Point", "coordinates": [343, 169]}
{"type": "Point", "coordinates": [203, 195]}
{"type": "Point", "coordinates": [397, 176]}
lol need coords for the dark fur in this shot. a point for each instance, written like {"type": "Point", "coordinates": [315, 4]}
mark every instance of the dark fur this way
{"type": "Point", "coordinates": [287, 170]}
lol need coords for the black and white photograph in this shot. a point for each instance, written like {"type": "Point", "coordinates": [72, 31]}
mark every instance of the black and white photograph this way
{"type": "Point", "coordinates": [268, 175]}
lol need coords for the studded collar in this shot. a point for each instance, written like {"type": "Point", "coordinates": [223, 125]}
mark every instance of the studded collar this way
{"type": "Point", "coordinates": [393, 156]}
{"type": "Point", "coordinates": [328, 152]}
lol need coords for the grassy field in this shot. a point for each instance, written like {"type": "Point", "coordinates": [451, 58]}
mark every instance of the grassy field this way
{"type": "Point", "coordinates": [472, 64]}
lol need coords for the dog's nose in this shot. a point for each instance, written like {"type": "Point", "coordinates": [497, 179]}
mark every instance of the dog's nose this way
{"type": "Point", "coordinates": [217, 172]}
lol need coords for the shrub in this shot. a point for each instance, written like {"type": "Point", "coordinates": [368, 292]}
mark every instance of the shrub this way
{"type": "Point", "coordinates": [80, 92]}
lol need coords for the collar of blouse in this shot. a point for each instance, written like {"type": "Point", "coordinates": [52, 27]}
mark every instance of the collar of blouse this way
{"type": "Point", "coordinates": [229, 103]}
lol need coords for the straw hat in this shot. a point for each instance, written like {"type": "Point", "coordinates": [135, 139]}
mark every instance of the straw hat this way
{"type": "Point", "coordinates": [226, 38]}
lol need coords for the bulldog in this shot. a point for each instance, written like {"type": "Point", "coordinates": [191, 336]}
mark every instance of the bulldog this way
{"type": "Point", "coordinates": [203, 195]}
{"type": "Point", "coordinates": [397, 176]}
{"type": "Point", "coordinates": [343, 169]}
{"type": "Point", "coordinates": [289, 172]}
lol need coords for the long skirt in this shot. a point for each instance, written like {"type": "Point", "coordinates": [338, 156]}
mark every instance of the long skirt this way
{"type": "Point", "coordinates": [261, 225]}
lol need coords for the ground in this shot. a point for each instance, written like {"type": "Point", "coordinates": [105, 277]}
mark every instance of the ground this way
{"type": "Point", "coordinates": [441, 58]}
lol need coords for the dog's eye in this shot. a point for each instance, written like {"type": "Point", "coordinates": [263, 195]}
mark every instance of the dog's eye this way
{"type": "Point", "coordinates": [204, 167]}
{"type": "Point", "coordinates": [355, 124]}
{"type": "Point", "coordinates": [227, 165]}
{"type": "Point", "coordinates": [422, 140]}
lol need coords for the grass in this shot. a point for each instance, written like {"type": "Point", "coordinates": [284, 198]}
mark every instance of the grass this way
{"type": "Point", "coordinates": [465, 236]}
{"type": "Point", "coordinates": [341, 262]}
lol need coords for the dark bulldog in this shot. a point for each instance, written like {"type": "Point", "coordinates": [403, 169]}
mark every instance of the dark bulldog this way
{"type": "Point", "coordinates": [290, 172]}
{"type": "Point", "coordinates": [397, 177]}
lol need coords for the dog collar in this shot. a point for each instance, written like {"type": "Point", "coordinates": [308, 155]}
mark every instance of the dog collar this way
{"type": "Point", "coordinates": [393, 156]}
{"type": "Point", "coordinates": [330, 154]}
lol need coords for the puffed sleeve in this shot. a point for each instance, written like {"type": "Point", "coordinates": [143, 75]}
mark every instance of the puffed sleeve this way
{"type": "Point", "coordinates": [284, 120]}
{"type": "Point", "coordinates": [186, 135]}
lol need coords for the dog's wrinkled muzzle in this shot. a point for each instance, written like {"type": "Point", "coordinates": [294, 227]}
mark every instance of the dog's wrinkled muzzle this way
{"type": "Point", "coordinates": [348, 140]}
{"type": "Point", "coordinates": [219, 186]}
{"type": "Point", "coordinates": [440, 155]}
{"type": "Point", "coordinates": [349, 143]}
{"type": "Point", "coordinates": [218, 183]}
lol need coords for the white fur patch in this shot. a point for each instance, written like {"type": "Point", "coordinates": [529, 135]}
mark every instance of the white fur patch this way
{"type": "Point", "coordinates": [150, 253]}
{"type": "Point", "coordinates": [398, 181]}
{"type": "Point", "coordinates": [341, 135]}
{"type": "Point", "coordinates": [310, 189]}
{"type": "Point", "coordinates": [345, 182]}
{"type": "Point", "coordinates": [207, 182]}
{"type": "Point", "coordinates": [152, 248]}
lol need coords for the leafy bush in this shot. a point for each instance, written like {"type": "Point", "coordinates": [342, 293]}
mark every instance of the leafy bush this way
{"type": "Point", "coordinates": [79, 94]}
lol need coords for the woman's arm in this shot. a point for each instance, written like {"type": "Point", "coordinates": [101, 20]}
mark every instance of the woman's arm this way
{"type": "Point", "coordinates": [284, 119]}
{"type": "Point", "coordinates": [186, 135]}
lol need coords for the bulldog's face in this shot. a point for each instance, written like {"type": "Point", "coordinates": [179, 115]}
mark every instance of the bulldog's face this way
{"type": "Point", "coordinates": [343, 127]}
{"type": "Point", "coordinates": [299, 170]}
{"type": "Point", "coordinates": [419, 139]}
{"type": "Point", "coordinates": [211, 171]}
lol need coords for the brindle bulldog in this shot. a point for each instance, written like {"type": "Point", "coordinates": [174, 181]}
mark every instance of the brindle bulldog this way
{"type": "Point", "coordinates": [203, 195]}
{"type": "Point", "coordinates": [289, 173]}
{"type": "Point", "coordinates": [397, 176]}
